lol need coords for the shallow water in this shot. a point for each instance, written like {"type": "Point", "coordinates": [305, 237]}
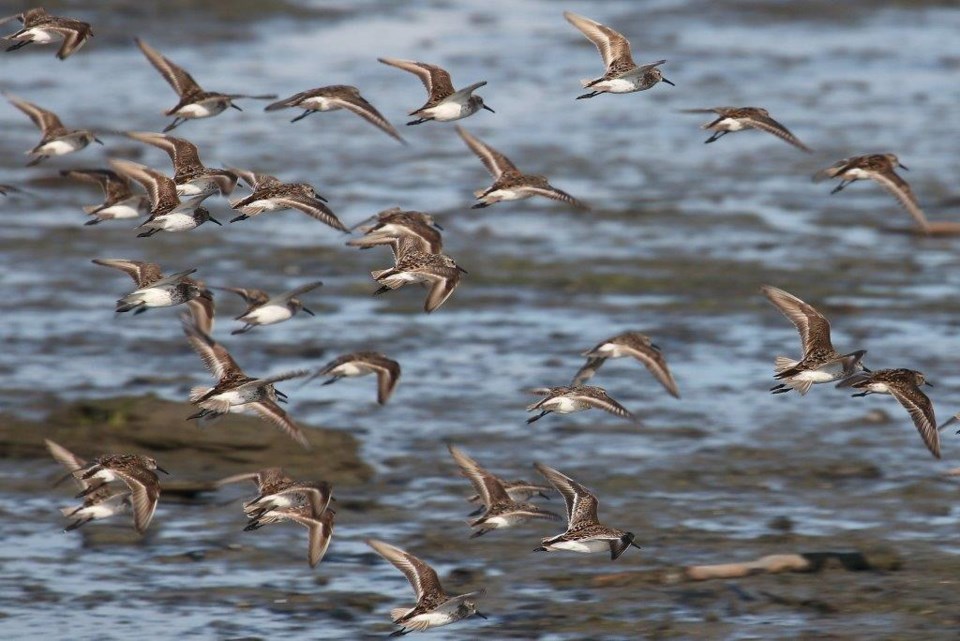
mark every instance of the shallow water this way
{"type": "Point", "coordinates": [680, 238]}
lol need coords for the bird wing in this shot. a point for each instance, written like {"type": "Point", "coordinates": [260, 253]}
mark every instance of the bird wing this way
{"type": "Point", "coordinates": [611, 44]}
{"type": "Point", "coordinates": [422, 577]}
{"type": "Point", "coordinates": [270, 411]}
{"type": "Point", "coordinates": [489, 487]}
{"type": "Point", "coordinates": [313, 208]}
{"type": "Point", "coordinates": [182, 152]}
{"type": "Point", "coordinates": [143, 274]}
{"type": "Point", "coordinates": [771, 126]}
{"type": "Point", "coordinates": [181, 81]}
{"type": "Point", "coordinates": [214, 355]}
{"type": "Point", "coordinates": [47, 121]}
{"type": "Point", "coordinates": [358, 104]}
{"type": "Point", "coordinates": [581, 504]}
{"type": "Point", "coordinates": [435, 79]}
{"type": "Point", "coordinates": [813, 326]}
{"type": "Point", "coordinates": [921, 411]}
{"type": "Point", "coordinates": [161, 188]}
{"type": "Point", "coordinates": [901, 190]}
{"type": "Point", "coordinates": [495, 162]}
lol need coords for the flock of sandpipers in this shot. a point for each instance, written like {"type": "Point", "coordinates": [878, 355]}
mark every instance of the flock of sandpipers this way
{"type": "Point", "coordinates": [116, 483]}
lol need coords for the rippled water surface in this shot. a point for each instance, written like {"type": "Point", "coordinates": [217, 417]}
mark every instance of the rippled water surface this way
{"type": "Point", "coordinates": [680, 238]}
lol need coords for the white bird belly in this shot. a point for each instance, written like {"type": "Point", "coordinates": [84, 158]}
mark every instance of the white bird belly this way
{"type": "Point", "coordinates": [319, 103]}
{"type": "Point", "coordinates": [151, 297]}
{"type": "Point", "coordinates": [199, 110]}
{"type": "Point", "coordinates": [616, 85]}
{"type": "Point", "coordinates": [174, 222]}
{"type": "Point", "coordinates": [562, 405]}
{"type": "Point", "coordinates": [119, 210]}
{"type": "Point", "coordinates": [505, 194]}
{"type": "Point", "coordinates": [268, 315]}
{"type": "Point", "coordinates": [234, 397]}
{"type": "Point", "coordinates": [583, 547]}
{"type": "Point", "coordinates": [446, 111]}
{"type": "Point", "coordinates": [432, 619]}
{"type": "Point", "coordinates": [729, 124]}
{"type": "Point", "coordinates": [257, 206]}
{"type": "Point", "coordinates": [856, 174]}
{"type": "Point", "coordinates": [39, 36]}
{"type": "Point", "coordinates": [350, 369]}
{"type": "Point", "coordinates": [58, 147]}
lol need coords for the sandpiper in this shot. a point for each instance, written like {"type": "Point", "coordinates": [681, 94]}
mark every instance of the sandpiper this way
{"type": "Point", "coordinates": [320, 527]}
{"type": "Point", "coordinates": [564, 400]}
{"type": "Point", "coordinates": [443, 102]}
{"type": "Point", "coordinates": [56, 139]}
{"type": "Point", "coordinates": [195, 182]}
{"type": "Point", "coordinates": [235, 391]}
{"type": "Point", "coordinates": [820, 363]}
{"type": "Point", "coordinates": [362, 364]}
{"type": "Point", "coordinates": [633, 344]}
{"type": "Point", "coordinates": [315, 495]}
{"type": "Point", "coordinates": [333, 98]}
{"type": "Point", "coordinates": [202, 309]}
{"type": "Point", "coordinates": [398, 228]}
{"type": "Point", "coordinates": [119, 200]}
{"type": "Point", "coordinates": [269, 194]}
{"type": "Point", "coordinates": [264, 309]}
{"type": "Point", "coordinates": [277, 490]}
{"type": "Point", "coordinates": [500, 511]}
{"type": "Point", "coordinates": [880, 168]}
{"type": "Point", "coordinates": [509, 183]}
{"type": "Point", "coordinates": [953, 420]}
{"type": "Point", "coordinates": [134, 470]}
{"type": "Point", "coordinates": [738, 118]}
{"type": "Point", "coordinates": [40, 27]}
{"type": "Point", "coordinates": [194, 101]}
{"type": "Point", "coordinates": [102, 503]}
{"type": "Point", "coordinates": [518, 490]}
{"type": "Point", "coordinates": [269, 481]}
{"type": "Point", "coordinates": [434, 608]}
{"type": "Point", "coordinates": [412, 266]}
{"type": "Point", "coordinates": [394, 219]}
{"type": "Point", "coordinates": [584, 533]}
{"type": "Point", "coordinates": [903, 385]}
{"type": "Point", "coordinates": [153, 288]}
{"type": "Point", "coordinates": [167, 213]}
{"type": "Point", "coordinates": [622, 75]}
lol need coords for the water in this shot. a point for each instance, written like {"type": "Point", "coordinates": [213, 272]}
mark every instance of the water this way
{"type": "Point", "coordinates": [680, 239]}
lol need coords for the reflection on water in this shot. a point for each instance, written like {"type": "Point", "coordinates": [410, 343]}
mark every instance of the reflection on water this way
{"type": "Point", "coordinates": [680, 238]}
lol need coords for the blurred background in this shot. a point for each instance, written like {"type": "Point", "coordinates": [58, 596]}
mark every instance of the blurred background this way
{"type": "Point", "coordinates": [680, 239]}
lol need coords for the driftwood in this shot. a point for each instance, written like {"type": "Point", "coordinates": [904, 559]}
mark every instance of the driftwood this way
{"type": "Point", "coordinates": [880, 559]}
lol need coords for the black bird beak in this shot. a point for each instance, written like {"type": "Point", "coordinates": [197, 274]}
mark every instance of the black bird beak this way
{"type": "Point", "coordinates": [160, 469]}
{"type": "Point", "coordinates": [902, 166]}
{"type": "Point", "coordinates": [462, 269]}
{"type": "Point", "coordinates": [655, 346]}
{"type": "Point", "coordinates": [215, 221]}
{"type": "Point", "coordinates": [493, 112]}
{"type": "Point", "coordinates": [307, 311]}
{"type": "Point", "coordinates": [542, 495]}
{"type": "Point", "coordinates": [240, 217]}
{"type": "Point", "coordinates": [667, 81]}
{"type": "Point", "coordinates": [235, 107]}
{"type": "Point", "coordinates": [928, 383]}
{"type": "Point", "coordinates": [480, 614]}
{"type": "Point", "coordinates": [97, 140]}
